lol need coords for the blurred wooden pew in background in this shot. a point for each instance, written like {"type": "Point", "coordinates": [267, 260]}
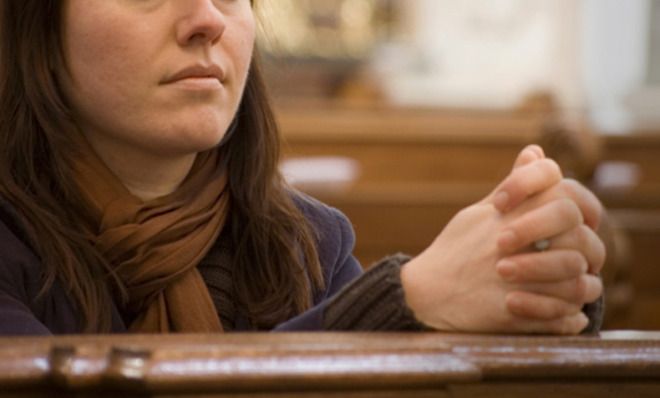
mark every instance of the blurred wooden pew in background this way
{"type": "Point", "coordinates": [634, 206]}
{"type": "Point", "coordinates": [409, 145]}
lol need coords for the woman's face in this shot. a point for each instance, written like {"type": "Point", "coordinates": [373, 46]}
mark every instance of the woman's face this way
{"type": "Point", "coordinates": [161, 76]}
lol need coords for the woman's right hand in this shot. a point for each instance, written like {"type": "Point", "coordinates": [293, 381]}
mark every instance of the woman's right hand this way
{"type": "Point", "coordinates": [480, 275]}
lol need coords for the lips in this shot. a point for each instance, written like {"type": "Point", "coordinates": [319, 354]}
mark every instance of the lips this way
{"type": "Point", "coordinates": [197, 72]}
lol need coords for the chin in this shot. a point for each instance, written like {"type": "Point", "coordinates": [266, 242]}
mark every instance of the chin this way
{"type": "Point", "coordinates": [201, 134]}
{"type": "Point", "coordinates": [201, 140]}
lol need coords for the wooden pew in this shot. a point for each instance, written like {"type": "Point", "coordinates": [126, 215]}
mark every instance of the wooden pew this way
{"type": "Point", "coordinates": [331, 365]}
{"type": "Point", "coordinates": [641, 149]}
{"type": "Point", "coordinates": [635, 209]}
{"type": "Point", "coordinates": [390, 218]}
{"type": "Point", "coordinates": [635, 298]}
{"type": "Point", "coordinates": [411, 145]}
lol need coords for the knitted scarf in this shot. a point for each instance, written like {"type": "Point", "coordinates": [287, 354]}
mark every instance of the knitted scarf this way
{"type": "Point", "coordinates": [154, 246]}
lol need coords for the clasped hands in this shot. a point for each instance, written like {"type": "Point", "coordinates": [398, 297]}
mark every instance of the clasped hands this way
{"type": "Point", "coordinates": [483, 273]}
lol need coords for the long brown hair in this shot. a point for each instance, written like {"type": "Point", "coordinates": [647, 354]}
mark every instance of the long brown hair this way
{"type": "Point", "coordinates": [276, 270]}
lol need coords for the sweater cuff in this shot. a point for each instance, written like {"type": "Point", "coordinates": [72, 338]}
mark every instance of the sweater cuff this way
{"type": "Point", "coordinates": [374, 301]}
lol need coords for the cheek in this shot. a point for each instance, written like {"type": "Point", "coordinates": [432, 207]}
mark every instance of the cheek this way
{"type": "Point", "coordinates": [243, 49]}
{"type": "Point", "coordinates": [107, 93]}
{"type": "Point", "coordinates": [101, 53]}
{"type": "Point", "coordinates": [103, 62]}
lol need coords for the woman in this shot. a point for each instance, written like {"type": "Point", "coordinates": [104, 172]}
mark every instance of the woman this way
{"type": "Point", "coordinates": [140, 192]}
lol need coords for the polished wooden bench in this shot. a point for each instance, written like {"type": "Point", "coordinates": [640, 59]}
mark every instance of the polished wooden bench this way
{"type": "Point", "coordinates": [335, 365]}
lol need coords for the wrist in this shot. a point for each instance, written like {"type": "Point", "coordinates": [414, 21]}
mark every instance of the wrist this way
{"type": "Point", "coordinates": [421, 296]}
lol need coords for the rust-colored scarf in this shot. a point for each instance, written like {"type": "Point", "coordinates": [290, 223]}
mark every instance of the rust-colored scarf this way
{"type": "Point", "coordinates": [155, 246]}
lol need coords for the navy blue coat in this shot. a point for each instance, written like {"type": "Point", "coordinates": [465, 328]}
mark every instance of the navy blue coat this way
{"type": "Point", "coordinates": [21, 313]}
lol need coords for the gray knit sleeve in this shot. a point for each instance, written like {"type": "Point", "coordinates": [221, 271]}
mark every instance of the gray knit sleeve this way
{"type": "Point", "coordinates": [373, 302]}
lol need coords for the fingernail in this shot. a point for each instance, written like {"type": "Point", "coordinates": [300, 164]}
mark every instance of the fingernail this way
{"type": "Point", "coordinates": [507, 240]}
{"type": "Point", "coordinates": [533, 152]}
{"type": "Point", "coordinates": [539, 151]}
{"type": "Point", "coordinates": [501, 201]}
{"type": "Point", "coordinates": [506, 269]}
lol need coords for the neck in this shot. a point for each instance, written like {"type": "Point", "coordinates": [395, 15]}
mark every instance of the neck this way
{"type": "Point", "coordinates": [145, 175]}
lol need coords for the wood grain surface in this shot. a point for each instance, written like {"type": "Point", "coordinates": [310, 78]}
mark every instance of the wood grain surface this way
{"type": "Point", "coordinates": [327, 364]}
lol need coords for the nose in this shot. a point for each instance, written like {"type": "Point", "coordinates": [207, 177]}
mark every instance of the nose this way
{"type": "Point", "coordinates": [201, 22]}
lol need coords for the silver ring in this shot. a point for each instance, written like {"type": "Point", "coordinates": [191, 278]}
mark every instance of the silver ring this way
{"type": "Point", "coordinates": [542, 245]}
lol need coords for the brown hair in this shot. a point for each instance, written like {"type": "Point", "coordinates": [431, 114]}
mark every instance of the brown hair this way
{"type": "Point", "coordinates": [276, 266]}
